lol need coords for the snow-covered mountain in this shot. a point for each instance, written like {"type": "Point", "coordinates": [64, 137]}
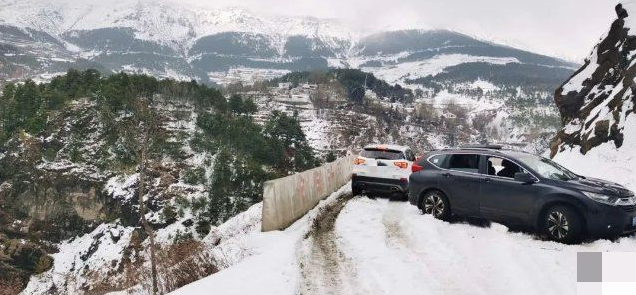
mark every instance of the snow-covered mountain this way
{"type": "Point", "coordinates": [597, 106]}
{"type": "Point", "coordinates": [167, 39]}
{"type": "Point", "coordinates": [160, 38]}
{"type": "Point", "coordinates": [167, 23]}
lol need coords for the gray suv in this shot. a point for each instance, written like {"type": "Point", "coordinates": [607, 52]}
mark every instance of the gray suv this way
{"type": "Point", "coordinates": [518, 188]}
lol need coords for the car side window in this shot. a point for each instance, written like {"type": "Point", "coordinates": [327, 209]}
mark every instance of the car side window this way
{"type": "Point", "coordinates": [464, 163]}
{"type": "Point", "coordinates": [503, 167]}
{"type": "Point", "coordinates": [438, 160]}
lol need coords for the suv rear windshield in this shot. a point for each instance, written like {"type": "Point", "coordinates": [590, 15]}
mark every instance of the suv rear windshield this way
{"type": "Point", "coordinates": [382, 154]}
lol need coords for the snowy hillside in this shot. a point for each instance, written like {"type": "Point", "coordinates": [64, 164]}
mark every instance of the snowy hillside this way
{"type": "Point", "coordinates": [597, 106]}
{"type": "Point", "coordinates": [71, 190]}
{"type": "Point", "coordinates": [40, 39]}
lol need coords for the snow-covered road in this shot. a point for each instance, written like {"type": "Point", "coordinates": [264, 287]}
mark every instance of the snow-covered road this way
{"type": "Point", "coordinates": [324, 266]}
{"type": "Point", "coordinates": [397, 250]}
{"type": "Point", "coordinates": [376, 246]}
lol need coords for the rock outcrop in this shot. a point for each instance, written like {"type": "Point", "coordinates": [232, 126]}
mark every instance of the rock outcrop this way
{"type": "Point", "coordinates": [595, 102]}
{"type": "Point", "coordinates": [597, 106]}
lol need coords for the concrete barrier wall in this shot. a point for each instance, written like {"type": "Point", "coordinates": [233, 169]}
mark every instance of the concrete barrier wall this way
{"type": "Point", "coordinates": [287, 199]}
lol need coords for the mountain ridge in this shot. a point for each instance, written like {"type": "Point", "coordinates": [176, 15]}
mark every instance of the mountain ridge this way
{"type": "Point", "coordinates": [187, 42]}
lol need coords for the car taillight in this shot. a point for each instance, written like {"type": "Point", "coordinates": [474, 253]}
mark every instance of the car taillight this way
{"type": "Point", "coordinates": [402, 165]}
{"type": "Point", "coordinates": [359, 161]}
{"type": "Point", "coordinates": [416, 167]}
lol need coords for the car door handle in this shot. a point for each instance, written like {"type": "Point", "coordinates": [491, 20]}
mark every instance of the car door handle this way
{"type": "Point", "coordinates": [487, 180]}
{"type": "Point", "coordinates": [447, 174]}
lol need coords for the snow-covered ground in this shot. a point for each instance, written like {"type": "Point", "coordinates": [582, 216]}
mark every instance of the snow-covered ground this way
{"type": "Point", "coordinates": [398, 250]}
{"type": "Point", "coordinates": [268, 264]}
{"type": "Point", "coordinates": [386, 247]}
{"type": "Point", "coordinates": [606, 161]}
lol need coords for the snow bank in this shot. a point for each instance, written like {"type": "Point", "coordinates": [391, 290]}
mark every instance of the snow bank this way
{"type": "Point", "coordinates": [397, 250]}
{"type": "Point", "coordinates": [606, 161]}
{"type": "Point", "coordinates": [270, 267]}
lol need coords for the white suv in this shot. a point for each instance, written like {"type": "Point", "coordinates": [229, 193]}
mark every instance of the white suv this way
{"type": "Point", "coordinates": [382, 168]}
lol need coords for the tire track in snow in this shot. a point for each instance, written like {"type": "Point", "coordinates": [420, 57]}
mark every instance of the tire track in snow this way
{"type": "Point", "coordinates": [442, 277]}
{"type": "Point", "coordinates": [410, 252]}
{"type": "Point", "coordinates": [324, 267]}
{"type": "Point", "coordinates": [391, 219]}
{"type": "Point", "coordinates": [372, 235]}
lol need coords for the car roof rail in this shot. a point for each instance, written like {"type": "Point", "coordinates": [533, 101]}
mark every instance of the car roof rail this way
{"type": "Point", "coordinates": [482, 146]}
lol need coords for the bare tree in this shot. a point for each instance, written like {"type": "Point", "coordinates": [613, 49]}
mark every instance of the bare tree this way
{"type": "Point", "coordinates": [142, 156]}
{"type": "Point", "coordinates": [139, 135]}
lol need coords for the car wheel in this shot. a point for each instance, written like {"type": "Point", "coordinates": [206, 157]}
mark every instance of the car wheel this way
{"type": "Point", "coordinates": [562, 224]}
{"type": "Point", "coordinates": [436, 204]}
{"type": "Point", "coordinates": [355, 189]}
{"type": "Point", "coordinates": [399, 196]}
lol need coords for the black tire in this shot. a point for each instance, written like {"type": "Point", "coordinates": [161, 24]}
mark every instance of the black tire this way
{"type": "Point", "coordinates": [355, 189]}
{"type": "Point", "coordinates": [480, 222]}
{"type": "Point", "coordinates": [398, 197]}
{"type": "Point", "coordinates": [562, 224]}
{"type": "Point", "coordinates": [436, 204]}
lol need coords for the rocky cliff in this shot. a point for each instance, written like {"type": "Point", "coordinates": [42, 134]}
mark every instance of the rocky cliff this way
{"type": "Point", "coordinates": [597, 106]}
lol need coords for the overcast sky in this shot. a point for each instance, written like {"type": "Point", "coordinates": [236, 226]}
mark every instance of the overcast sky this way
{"type": "Point", "coordinates": [563, 28]}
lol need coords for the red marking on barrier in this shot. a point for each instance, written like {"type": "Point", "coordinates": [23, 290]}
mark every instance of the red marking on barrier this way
{"type": "Point", "coordinates": [330, 174]}
{"type": "Point", "coordinates": [302, 185]}
{"type": "Point", "coordinates": [318, 181]}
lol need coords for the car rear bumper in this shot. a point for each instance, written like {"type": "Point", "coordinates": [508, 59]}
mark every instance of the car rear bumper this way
{"type": "Point", "coordinates": [379, 184]}
{"type": "Point", "coordinates": [611, 220]}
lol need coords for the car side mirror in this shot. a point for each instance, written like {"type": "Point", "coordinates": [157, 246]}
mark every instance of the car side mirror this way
{"type": "Point", "coordinates": [524, 178]}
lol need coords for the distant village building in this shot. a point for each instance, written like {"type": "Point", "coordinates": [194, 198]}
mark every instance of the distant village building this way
{"type": "Point", "coordinates": [284, 85]}
{"type": "Point", "coordinates": [448, 115]}
{"type": "Point", "coordinates": [368, 93]}
{"type": "Point", "coordinates": [309, 86]}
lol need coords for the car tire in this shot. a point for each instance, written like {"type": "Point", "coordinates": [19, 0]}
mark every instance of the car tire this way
{"type": "Point", "coordinates": [398, 197]}
{"type": "Point", "coordinates": [562, 224]}
{"type": "Point", "coordinates": [436, 204]}
{"type": "Point", "coordinates": [355, 189]}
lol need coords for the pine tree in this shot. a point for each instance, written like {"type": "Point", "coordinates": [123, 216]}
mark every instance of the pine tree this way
{"type": "Point", "coordinates": [287, 137]}
{"type": "Point", "coordinates": [236, 104]}
{"type": "Point", "coordinates": [219, 193]}
{"type": "Point", "coordinates": [250, 107]}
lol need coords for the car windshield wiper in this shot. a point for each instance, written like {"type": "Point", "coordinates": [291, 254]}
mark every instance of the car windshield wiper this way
{"type": "Point", "coordinates": [567, 177]}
